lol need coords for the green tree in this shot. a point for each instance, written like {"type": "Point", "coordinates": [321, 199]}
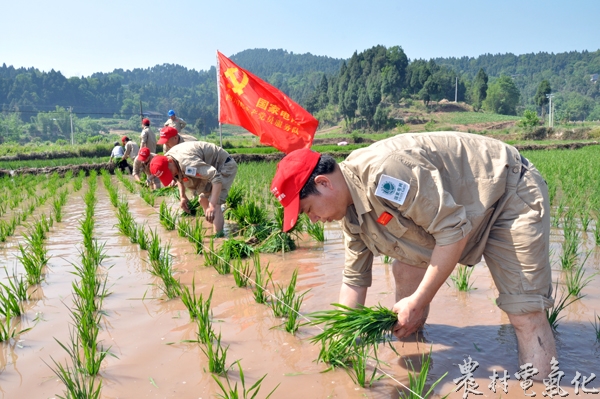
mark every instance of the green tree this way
{"type": "Point", "coordinates": [540, 98]}
{"type": "Point", "coordinates": [502, 96]}
{"type": "Point", "coordinates": [530, 119]}
{"type": "Point", "coordinates": [479, 89]}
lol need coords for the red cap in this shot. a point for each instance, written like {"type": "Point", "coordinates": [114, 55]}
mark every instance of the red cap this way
{"type": "Point", "coordinates": [292, 174]}
{"type": "Point", "coordinates": [124, 138]}
{"type": "Point", "coordinates": [166, 133]}
{"type": "Point", "coordinates": [159, 167]}
{"type": "Point", "coordinates": [146, 122]}
{"type": "Point", "coordinates": [144, 154]}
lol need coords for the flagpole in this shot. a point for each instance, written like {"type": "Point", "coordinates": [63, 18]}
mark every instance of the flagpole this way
{"type": "Point", "coordinates": [219, 99]}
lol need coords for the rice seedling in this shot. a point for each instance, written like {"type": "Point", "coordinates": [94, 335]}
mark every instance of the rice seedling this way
{"type": "Point", "coordinates": [316, 230]}
{"type": "Point", "coordinates": [16, 285]}
{"type": "Point", "coordinates": [204, 316]}
{"type": "Point", "coordinates": [190, 301]}
{"type": "Point", "coordinates": [9, 302]}
{"type": "Point", "coordinates": [553, 313]}
{"type": "Point", "coordinates": [344, 326]}
{"type": "Point", "coordinates": [166, 217]}
{"type": "Point", "coordinates": [358, 358]}
{"type": "Point", "coordinates": [86, 227]}
{"type": "Point", "coordinates": [241, 272]}
{"type": "Point", "coordinates": [575, 280]}
{"type": "Point", "coordinates": [260, 280]}
{"type": "Point", "coordinates": [183, 227]}
{"type": "Point", "coordinates": [196, 236]}
{"type": "Point", "coordinates": [33, 258]}
{"type": "Point", "coordinates": [584, 217]}
{"type": "Point", "coordinates": [148, 196]}
{"type": "Point", "coordinates": [387, 259]}
{"type": "Point", "coordinates": [234, 197]}
{"type": "Point", "coordinates": [210, 257]}
{"type": "Point", "coordinates": [597, 230]}
{"type": "Point", "coordinates": [155, 248]}
{"type": "Point", "coordinates": [460, 278]}
{"type": "Point", "coordinates": [216, 354]}
{"type": "Point", "coordinates": [92, 357]}
{"type": "Point", "coordinates": [8, 330]}
{"type": "Point", "coordinates": [283, 298]}
{"type": "Point", "coordinates": [78, 181]}
{"type": "Point", "coordinates": [292, 323]}
{"type": "Point", "coordinates": [570, 244]}
{"type": "Point", "coordinates": [232, 392]}
{"type": "Point", "coordinates": [596, 325]}
{"type": "Point", "coordinates": [142, 237]}
{"type": "Point", "coordinates": [417, 381]}
{"type": "Point", "coordinates": [77, 384]}
{"type": "Point", "coordinates": [163, 269]}
{"type": "Point", "coordinates": [125, 222]}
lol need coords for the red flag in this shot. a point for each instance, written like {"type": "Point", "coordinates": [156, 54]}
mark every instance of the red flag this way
{"type": "Point", "coordinates": [248, 101]}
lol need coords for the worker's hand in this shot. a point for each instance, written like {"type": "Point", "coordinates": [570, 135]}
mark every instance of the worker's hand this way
{"type": "Point", "coordinates": [184, 205]}
{"type": "Point", "coordinates": [173, 183]}
{"type": "Point", "coordinates": [210, 212]}
{"type": "Point", "coordinates": [411, 316]}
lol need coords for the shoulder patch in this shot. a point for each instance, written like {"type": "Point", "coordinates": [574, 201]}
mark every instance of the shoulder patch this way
{"type": "Point", "coordinates": [392, 189]}
{"type": "Point", "coordinates": [190, 171]}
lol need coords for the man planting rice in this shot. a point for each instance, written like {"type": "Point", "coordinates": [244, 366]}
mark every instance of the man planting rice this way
{"type": "Point", "coordinates": [430, 201]}
{"type": "Point", "coordinates": [205, 169]}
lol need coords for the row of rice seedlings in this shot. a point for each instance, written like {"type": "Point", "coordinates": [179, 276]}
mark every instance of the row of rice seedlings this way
{"type": "Point", "coordinates": [461, 276]}
{"type": "Point", "coordinates": [129, 184]}
{"type": "Point", "coordinates": [148, 196]}
{"type": "Point", "coordinates": [113, 192]}
{"type": "Point", "coordinates": [58, 204]}
{"type": "Point", "coordinates": [34, 255]}
{"type": "Point", "coordinates": [83, 348]}
{"type": "Point", "coordinates": [161, 266]}
{"type": "Point", "coordinates": [12, 296]}
{"type": "Point", "coordinates": [167, 217]}
{"type": "Point", "coordinates": [78, 181]}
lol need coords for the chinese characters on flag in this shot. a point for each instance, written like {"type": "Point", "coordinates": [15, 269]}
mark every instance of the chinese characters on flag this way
{"type": "Point", "coordinates": [248, 101]}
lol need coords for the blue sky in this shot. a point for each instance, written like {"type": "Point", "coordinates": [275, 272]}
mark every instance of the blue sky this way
{"type": "Point", "coordinates": [86, 36]}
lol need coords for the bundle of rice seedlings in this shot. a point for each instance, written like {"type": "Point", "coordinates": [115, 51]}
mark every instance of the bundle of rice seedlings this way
{"type": "Point", "coordinates": [233, 249]}
{"type": "Point", "coordinates": [278, 241]}
{"type": "Point", "coordinates": [345, 326]}
{"type": "Point", "coordinates": [194, 208]}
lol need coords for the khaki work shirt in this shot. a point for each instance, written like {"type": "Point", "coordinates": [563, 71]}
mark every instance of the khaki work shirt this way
{"type": "Point", "coordinates": [178, 124]}
{"type": "Point", "coordinates": [200, 164]}
{"type": "Point", "coordinates": [440, 187]}
{"type": "Point", "coordinates": [148, 139]}
{"type": "Point", "coordinates": [139, 167]}
{"type": "Point", "coordinates": [131, 150]}
{"type": "Point", "coordinates": [183, 138]}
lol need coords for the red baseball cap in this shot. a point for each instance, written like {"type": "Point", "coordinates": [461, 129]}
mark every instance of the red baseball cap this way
{"type": "Point", "coordinates": [292, 174]}
{"type": "Point", "coordinates": [159, 167]}
{"type": "Point", "coordinates": [124, 139]}
{"type": "Point", "coordinates": [144, 154]}
{"type": "Point", "coordinates": [146, 122]}
{"type": "Point", "coordinates": [166, 133]}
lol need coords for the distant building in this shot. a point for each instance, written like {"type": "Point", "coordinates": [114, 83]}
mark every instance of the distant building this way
{"type": "Point", "coordinates": [157, 119]}
{"type": "Point", "coordinates": [594, 78]}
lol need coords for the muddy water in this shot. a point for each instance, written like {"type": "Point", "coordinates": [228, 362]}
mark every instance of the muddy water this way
{"type": "Point", "coordinates": [147, 333]}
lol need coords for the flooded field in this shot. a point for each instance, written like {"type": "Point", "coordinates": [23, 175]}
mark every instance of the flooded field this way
{"type": "Point", "coordinates": [152, 356]}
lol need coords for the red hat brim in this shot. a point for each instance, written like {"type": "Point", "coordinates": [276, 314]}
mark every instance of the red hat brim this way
{"type": "Point", "coordinates": [290, 213]}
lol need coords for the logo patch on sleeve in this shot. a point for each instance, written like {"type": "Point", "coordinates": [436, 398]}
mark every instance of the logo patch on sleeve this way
{"type": "Point", "coordinates": [392, 189]}
{"type": "Point", "coordinates": [190, 171]}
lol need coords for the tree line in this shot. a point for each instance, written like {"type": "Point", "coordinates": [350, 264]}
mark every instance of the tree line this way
{"type": "Point", "coordinates": [362, 88]}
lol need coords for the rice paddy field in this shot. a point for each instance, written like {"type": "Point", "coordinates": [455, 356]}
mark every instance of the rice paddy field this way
{"type": "Point", "coordinates": [108, 291]}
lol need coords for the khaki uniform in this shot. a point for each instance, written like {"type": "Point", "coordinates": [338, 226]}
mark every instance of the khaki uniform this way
{"type": "Point", "coordinates": [203, 164]}
{"type": "Point", "coordinates": [131, 150]}
{"type": "Point", "coordinates": [439, 187]}
{"type": "Point", "coordinates": [148, 139]}
{"type": "Point", "coordinates": [139, 167]}
{"type": "Point", "coordinates": [182, 139]}
{"type": "Point", "coordinates": [178, 123]}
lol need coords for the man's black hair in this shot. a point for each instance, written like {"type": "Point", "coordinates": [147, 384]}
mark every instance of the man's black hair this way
{"type": "Point", "coordinates": [325, 166]}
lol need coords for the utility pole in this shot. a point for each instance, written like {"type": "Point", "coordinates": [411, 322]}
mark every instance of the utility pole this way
{"type": "Point", "coordinates": [550, 113]}
{"type": "Point", "coordinates": [456, 91]}
{"type": "Point", "coordinates": [71, 118]}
